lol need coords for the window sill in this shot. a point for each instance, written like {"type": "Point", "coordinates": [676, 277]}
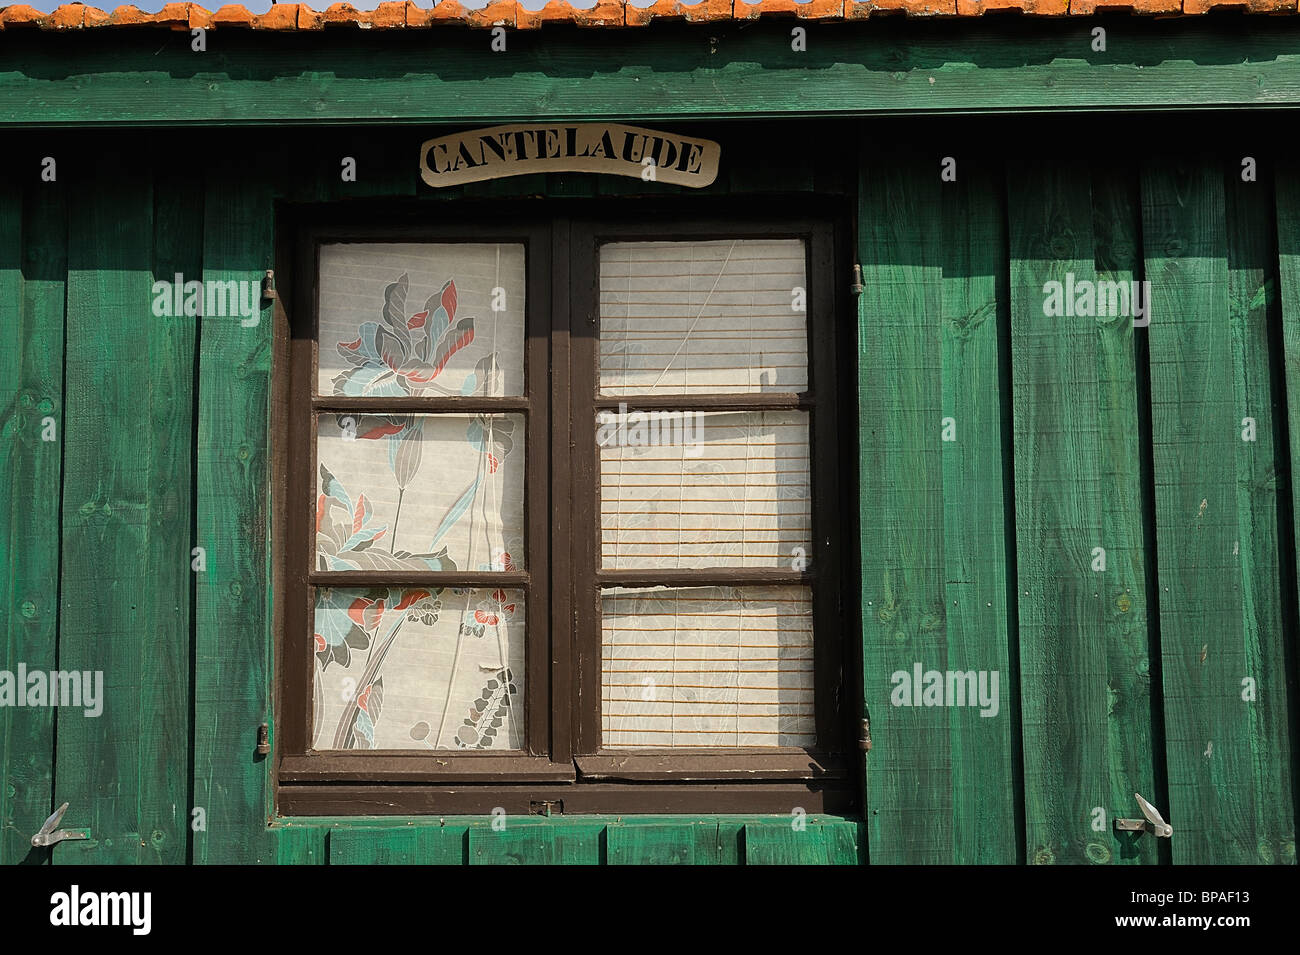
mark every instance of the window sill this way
{"type": "Point", "coordinates": [441, 768]}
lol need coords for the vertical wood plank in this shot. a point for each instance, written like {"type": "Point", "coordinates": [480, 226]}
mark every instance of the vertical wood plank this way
{"type": "Point", "coordinates": [1287, 391]}
{"type": "Point", "coordinates": [301, 845]}
{"type": "Point", "coordinates": [33, 263]}
{"type": "Point", "coordinates": [166, 658]}
{"type": "Point", "coordinates": [538, 844]}
{"type": "Point", "coordinates": [655, 844]}
{"type": "Point", "coordinates": [777, 843]}
{"type": "Point", "coordinates": [940, 779]}
{"type": "Point", "coordinates": [1255, 315]}
{"type": "Point", "coordinates": [392, 846]}
{"type": "Point", "coordinates": [1230, 786]}
{"type": "Point", "coordinates": [107, 613]}
{"type": "Point", "coordinates": [1083, 642]}
{"type": "Point", "coordinates": [977, 609]}
{"type": "Point", "coordinates": [233, 640]}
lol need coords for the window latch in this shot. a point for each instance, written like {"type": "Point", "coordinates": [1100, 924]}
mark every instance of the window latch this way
{"type": "Point", "coordinates": [1154, 822]}
{"type": "Point", "coordinates": [48, 835]}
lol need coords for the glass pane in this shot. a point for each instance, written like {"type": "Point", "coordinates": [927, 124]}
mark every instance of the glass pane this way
{"type": "Point", "coordinates": [420, 492]}
{"type": "Point", "coordinates": [423, 319]}
{"type": "Point", "coordinates": [689, 318]}
{"type": "Point", "coordinates": [415, 668]}
{"type": "Point", "coordinates": [707, 666]}
{"type": "Point", "coordinates": [683, 490]}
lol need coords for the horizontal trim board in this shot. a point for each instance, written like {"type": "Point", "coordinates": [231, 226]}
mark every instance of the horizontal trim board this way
{"type": "Point", "coordinates": [728, 71]}
{"type": "Point", "coordinates": [578, 799]}
{"type": "Point", "coordinates": [437, 768]}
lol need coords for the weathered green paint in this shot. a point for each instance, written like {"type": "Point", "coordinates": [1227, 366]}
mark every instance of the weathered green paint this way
{"type": "Point", "coordinates": [655, 844]}
{"type": "Point", "coordinates": [234, 638]}
{"type": "Point", "coordinates": [166, 423]}
{"type": "Point", "coordinates": [1286, 355]}
{"type": "Point", "coordinates": [166, 663]}
{"type": "Point", "coordinates": [1230, 786]}
{"type": "Point", "coordinates": [115, 539]}
{"type": "Point", "coordinates": [1079, 535]}
{"type": "Point", "coordinates": [576, 840]}
{"type": "Point", "coordinates": [422, 845]}
{"type": "Point", "coordinates": [33, 272]}
{"type": "Point", "coordinates": [665, 72]}
{"type": "Point", "coordinates": [933, 564]}
{"type": "Point", "coordinates": [811, 845]}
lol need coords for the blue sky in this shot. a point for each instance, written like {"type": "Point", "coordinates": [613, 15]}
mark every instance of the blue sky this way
{"type": "Point", "coordinates": [261, 6]}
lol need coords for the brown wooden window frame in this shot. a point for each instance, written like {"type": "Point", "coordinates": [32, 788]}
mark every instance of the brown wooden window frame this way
{"type": "Point", "coordinates": [563, 766]}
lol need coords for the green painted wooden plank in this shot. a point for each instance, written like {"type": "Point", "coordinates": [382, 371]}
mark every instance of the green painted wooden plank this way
{"type": "Point", "coordinates": [1255, 312]}
{"type": "Point", "coordinates": [1083, 640]}
{"type": "Point", "coordinates": [538, 844]}
{"type": "Point", "coordinates": [712, 840]}
{"type": "Point", "coordinates": [423, 845]}
{"type": "Point", "coordinates": [777, 844]}
{"type": "Point", "coordinates": [934, 594]}
{"type": "Point", "coordinates": [374, 847]}
{"type": "Point", "coordinates": [33, 272]}
{"type": "Point", "coordinates": [1287, 188]}
{"type": "Point", "coordinates": [1229, 786]}
{"type": "Point", "coordinates": [1131, 744]}
{"type": "Point", "coordinates": [233, 639]}
{"type": "Point", "coordinates": [301, 845]}
{"type": "Point", "coordinates": [982, 749]}
{"type": "Point", "coordinates": [166, 652]}
{"type": "Point", "coordinates": [645, 75]}
{"type": "Point", "coordinates": [664, 844]}
{"type": "Point", "coordinates": [107, 615]}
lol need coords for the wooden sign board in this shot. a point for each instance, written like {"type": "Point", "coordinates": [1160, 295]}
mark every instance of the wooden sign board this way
{"type": "Point", "coordinates": [609, 148]}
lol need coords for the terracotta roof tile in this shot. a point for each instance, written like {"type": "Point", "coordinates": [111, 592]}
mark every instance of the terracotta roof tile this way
{"type": "Point", "coordinates": [1049, 8]}
{"type": "Point", "coordinates": [606, 13]}
{"type": "Point", "coordinates": [706, 11]}
{"type": "Point", "coordinates": [861, 9]}
{"type": "Point", "coordinates": [404, 14]}
{"type": "Point", "coordinates": [1250, 6]}
{"type": "Point", "coordinates": [813, 10]}
{"type": "Point", "coordinates": [1089, 7]}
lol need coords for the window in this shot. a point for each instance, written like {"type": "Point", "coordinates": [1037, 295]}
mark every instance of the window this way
{"type": "Point", "coordinates": [560, 520]}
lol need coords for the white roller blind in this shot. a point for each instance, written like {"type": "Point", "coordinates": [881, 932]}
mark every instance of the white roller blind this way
{"type": "Point", "coordinates": [716, 489]}
{"type": "Point", "coordinates": [707, 667]}
{"type": "Point", "coordinates": [686, 489]}
{"type": "Point", "coordinates": [688, 318]}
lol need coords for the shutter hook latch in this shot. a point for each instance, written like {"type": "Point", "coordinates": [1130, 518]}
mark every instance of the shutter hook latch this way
{"type": "Point", "coordinates": [48, 835]}
{"type": "Point", "coordinates": [1154, 822]}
